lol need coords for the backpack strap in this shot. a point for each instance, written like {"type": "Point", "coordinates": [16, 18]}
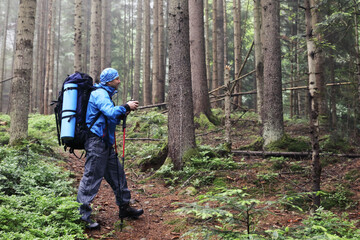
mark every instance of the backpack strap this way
{"type": "Point", "coordinates": [95, 119]}
{"type": "Point", "coordinates": [99, 114]}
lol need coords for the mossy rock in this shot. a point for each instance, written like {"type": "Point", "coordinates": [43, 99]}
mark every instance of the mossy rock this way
{"type": "Point", "coordinates": [256, 145]}
{"type": "Point", "coordinates": [154, 161]}
{"type": "Point", "coordinates": [203, 122]}
{"type": "Point", "coordinates": [289, 144]}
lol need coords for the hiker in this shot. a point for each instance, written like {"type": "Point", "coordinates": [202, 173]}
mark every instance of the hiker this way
{"type": "Point", "coordinates": [101, 158]}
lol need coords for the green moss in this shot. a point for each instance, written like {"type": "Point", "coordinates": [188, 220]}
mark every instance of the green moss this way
{"type": "Point", "coordinates": [289, 144]}
{"type": "Point", "coordinates": [257, 145]}
{"type": "Point", "coordinates": [203, 122]}
{"type": "Point", "coordinates": [190, 153]}
{"type": "Point", "coordinates": [154, 161]}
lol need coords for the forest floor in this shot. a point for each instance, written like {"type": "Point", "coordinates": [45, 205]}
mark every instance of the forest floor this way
{"type": "Point", "coordinates": [160, 222]}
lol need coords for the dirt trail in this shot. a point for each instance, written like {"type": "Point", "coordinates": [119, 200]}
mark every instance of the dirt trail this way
{"type": "Point", "coordinates": [156, 200]}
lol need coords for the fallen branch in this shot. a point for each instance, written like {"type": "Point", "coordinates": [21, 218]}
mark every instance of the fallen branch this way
{"type": "Point", "coordinates": [152, 106]}
{"type": "Point", "coordinates": [289, 154]}
{"type": "Point", "coordinates": [144, 139]}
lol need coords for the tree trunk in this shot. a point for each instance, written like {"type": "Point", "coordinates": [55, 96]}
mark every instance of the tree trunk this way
{"type": "Point", "coordinates": [333, 92]}
{"type": "Point", "coordinates": [136, 89]}
{"type": "Point", "coordinates": [357, 50]}
{"type": "Point", "coordinates": [227, 106]}
{"type": "Point", "coordinates": [197, 56]}
{"type": "Point", "coordinates": [237, 48]}
{"type": "Point", "coordinates": [155, 58]}
{"type": "Point", "coordinates": [147, 70]}
{"type": "Point", "coordinates": [20, 90]}
{"type": "Point", "coordinates": [181, 118]}
{"type": "Point", "coordinates": [95, 40]}
{"type": "Point", "coordinates": [78, 37]}
{"type": "Point", "coordinates": [48, 60]}
{"type": "Point", "coordinates": [319, 61]}
{"type": "Point", "coordinates": [220, 42]}
{"type": "Point", "coordinates": [215, 82]}
{"type": "Point", "coordinates": [2, 67]}
{"type": "Point", "coordinates": [314, 102]}
{"type": "Point", "coordinates": [52, 58]}
{"type": "Point", "coordinates": [161, 72]}
{"type": "Point", "coordinates": [105, 34]}
{"type": "Point", "coordinates": [225, 33]}
{"type": "Point", "coordinates": [259, 60]}
{"type": "Point", "coordinates": [294, 60]}
{"type": "Point", "coordinates": [125, 70]}
{"type": "Point", "coordinates": [86, 50]}
{"type": "Point", "coordinates": [42, 56]}
{"type": "Point", "coordinates": [58, 52]}
{"type": "Point", "coordinates": [207, 44]}
{"type": "Point", "coordinates": [273, 116]}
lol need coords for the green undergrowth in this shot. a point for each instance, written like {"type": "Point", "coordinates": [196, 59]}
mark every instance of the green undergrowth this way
{"type": "Point", "coordinates": [335, 144]}
{"type": "Point", "coordinates": [200, 169]}
{"type": "Point", "coordinates": [41, 129]}
{"type": "Point", "coordinates": [234, 214]}
{"type": "Point", "coordinates": [37, 198]}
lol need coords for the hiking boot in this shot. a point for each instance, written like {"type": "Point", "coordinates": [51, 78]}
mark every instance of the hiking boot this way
{"type": "Point", "coordinates": [129, 212]}
{"type": "Point", "coordinates": [92, 225]}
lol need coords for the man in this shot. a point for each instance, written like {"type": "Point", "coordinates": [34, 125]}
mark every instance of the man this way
{"type": "Point", "coordinates": [101, 159]}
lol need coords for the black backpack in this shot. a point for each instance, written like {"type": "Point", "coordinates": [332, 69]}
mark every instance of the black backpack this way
{"type": "Point", "coordinates": [84, 88]}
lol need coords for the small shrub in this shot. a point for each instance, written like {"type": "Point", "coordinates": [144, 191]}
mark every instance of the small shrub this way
{"type": "Point", "coordinates": [266, 178]}
{"type": "Point", "coordinates": [278, 163]}
{"type": "Point", "coordinates": [230, 210]}
{"type": "Point", "coordinates": [352, 175]}
{"type": "Point", "coordinates": [335, 144]}
{"type": "Point", "coordinates": [320, 225]}
{"type": "Point", "coordinates": [340, 198]}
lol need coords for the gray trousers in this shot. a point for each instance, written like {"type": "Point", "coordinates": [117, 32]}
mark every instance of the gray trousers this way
{"type": "Point", "coordinates": [101, 162]}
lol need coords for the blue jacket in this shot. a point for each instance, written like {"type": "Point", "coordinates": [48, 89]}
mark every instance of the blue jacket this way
{"type": "Point", "coordinates": [100, 100]}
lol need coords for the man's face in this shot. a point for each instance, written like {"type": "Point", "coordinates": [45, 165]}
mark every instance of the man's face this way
{"type": "Point", "coordinates": [114, 83]}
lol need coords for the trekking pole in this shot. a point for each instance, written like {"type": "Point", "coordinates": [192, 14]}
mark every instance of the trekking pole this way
{"type": "Point", "coordinates": [123, 161]}
{"type": "Point", "coordinates": [124, 129]}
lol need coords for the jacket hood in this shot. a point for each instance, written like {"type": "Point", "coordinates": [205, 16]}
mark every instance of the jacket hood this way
{"type": "Point", "coordinates": [112, 91]}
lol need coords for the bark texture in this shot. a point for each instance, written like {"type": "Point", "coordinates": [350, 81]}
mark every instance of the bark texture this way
{"type": "Point", "coordinates": [20, 89]}
{"type": "Point", "coordinates": [95, 40]}
{"type": "Point", "coordinates": [136, 89]}
{"type": "Point", "coordinates": [2, 67]}
{"type": "Point", "coordinates": [147, 70]}
{"type": "Point", "coordinates": [78, 37]}
{"type": "Point", "coordinates": [181, 118]}
{"type": "Point", "coordinates": [273, 126]}
{"type": "Point", "coordinates": [259, 60]}
{"type": "Point", "coordinates": [314, 102]}
{"type": "Point", "coordinates": [197, 55]}
{"type": "Point", "coordinates": [155, 59]}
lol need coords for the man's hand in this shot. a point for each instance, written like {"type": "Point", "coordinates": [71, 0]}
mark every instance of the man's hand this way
{"type": "Point", "coordinates": [133, 105]}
